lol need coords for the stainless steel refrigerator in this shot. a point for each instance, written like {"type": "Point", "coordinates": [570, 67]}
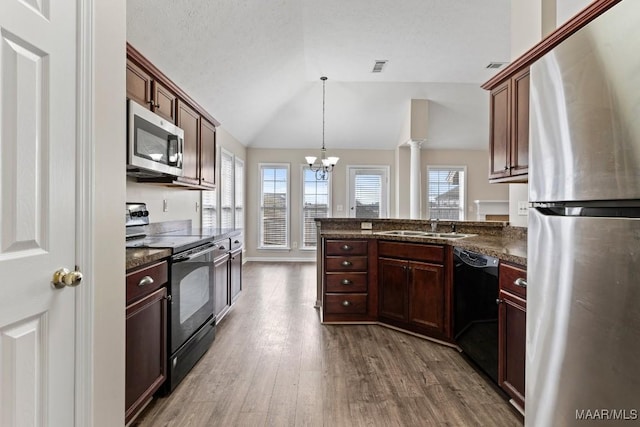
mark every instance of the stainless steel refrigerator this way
{"type": "Point", "coordinates": [583, 297]}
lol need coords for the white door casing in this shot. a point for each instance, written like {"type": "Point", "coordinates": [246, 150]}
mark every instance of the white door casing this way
{"type": "Point", "coordinates": [37, 210]}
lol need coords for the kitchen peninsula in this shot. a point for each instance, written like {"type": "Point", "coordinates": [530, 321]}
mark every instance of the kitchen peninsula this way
{"type": "Point", "coordinates": [460, 283]}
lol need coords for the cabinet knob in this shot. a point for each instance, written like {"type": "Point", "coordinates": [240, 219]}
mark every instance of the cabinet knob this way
{"type": "Point", "coordinates": [506, 167]}
{"type": "Point", "coordinates": [346, 248]}
{"type": "Point", "coordinates": [520, 282]}
{"type": "Point", "coordinates": [346, 263]}
{"type": "Point", "coordinates": [346, 303]}
{"type": "Point", "coordinates": [499, 301]}
{"type": "Point", "coordinates": [346, 282]}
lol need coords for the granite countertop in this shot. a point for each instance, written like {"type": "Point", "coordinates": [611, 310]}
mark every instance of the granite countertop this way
{"type": "Point", "coordinates": [504, 248]}
{"type": "Point", "coordinates": [137, 257]}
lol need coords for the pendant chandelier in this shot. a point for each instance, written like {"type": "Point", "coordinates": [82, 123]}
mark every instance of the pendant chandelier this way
{"type": "Point", "coordinates": [326, 164]}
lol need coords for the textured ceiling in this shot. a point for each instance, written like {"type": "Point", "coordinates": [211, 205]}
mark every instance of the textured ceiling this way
{"type": "Point", "coordinates": [255, 65]}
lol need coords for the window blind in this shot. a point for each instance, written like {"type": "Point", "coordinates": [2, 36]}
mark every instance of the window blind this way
{"type": "Point", "coordinates": [209, 212]}
{"type": "Point", "coordinates": [315, 204]}
{"type": "Point", "coordinates": [368, 194]}
{"type": "Point", "coordinates": [446, 192]}
{"type": "Point", "coordinates": [226, 190]}
{"type": "Point", "coordinates": [239, 193]}
{"type": "Point", "coordinates": [274, 206]}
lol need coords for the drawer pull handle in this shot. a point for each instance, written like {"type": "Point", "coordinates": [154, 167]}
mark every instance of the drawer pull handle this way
{"type": "Point", "coordinates": [146, 280]}
{"type": "Point", "coordinates": [346, 303]}
{"type": "Point", "coordinates": [346, 248]}
{"type": "Point", "coordinates": [346, 263]}
{"type": "Point", "coordinates": [346, 282]}
{"type": "Point", "coordinates": [520, 282]}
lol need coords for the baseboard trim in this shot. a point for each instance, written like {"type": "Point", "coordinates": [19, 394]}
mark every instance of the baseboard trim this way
{"type": "Point", "coordinates": [277, 259]}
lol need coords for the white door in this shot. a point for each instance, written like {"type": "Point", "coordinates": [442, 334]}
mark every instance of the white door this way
{"type": "Point", "coordinates": [368, 190]}
{"type": "Point", "coordinates": [37, 210]}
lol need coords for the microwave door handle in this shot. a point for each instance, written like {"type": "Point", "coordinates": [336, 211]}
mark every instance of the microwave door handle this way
{"type": "Point", "coordinates": [173, 150]}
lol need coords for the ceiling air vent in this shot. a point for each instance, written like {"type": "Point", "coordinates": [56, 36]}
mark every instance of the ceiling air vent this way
{"type": "Point", "coordinates": [496, 65]}
{"type": "Point", "coordinates": [378, 66]}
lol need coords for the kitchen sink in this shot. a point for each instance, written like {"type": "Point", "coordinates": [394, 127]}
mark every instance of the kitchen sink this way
{"type": "Point", "coordinates": [427, 234]}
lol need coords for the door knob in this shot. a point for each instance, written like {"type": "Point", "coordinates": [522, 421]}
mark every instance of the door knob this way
{"type": "Point", "coordinates": [63, 277]}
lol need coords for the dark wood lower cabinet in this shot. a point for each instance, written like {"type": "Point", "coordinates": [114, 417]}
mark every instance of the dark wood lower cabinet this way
{"type": "Point", "coordinates": [146, 350]}
{"type": "Point", "coordinates": [235, 274]}
{"type": "Point", "coordinates": [221, 301]}
{"type": "Point", "coordinates": [413, 294]}
{"type": "Point", "coordinates": [512, 331]}
{"type": "Point", "coordinates": [393, 289]}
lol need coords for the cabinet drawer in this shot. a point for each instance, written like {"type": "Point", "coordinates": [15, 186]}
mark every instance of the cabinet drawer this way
{"type": "Point", "coordinates": [346, 247]}
{"type": "Point", "coordinates": [509, 276]}
{"type": "Point", "coordinates": [414, 251]}
{"type": "Point", "coordinates": [236, 243]}
{"type": "Point", "coordinates": [345, 304]}
{"type": "Point", "coordinates": [347, 263]}
{"type": "Point", "coordinates": [346, 282]}
{"type": "Point", "coordinates": [146, 280]}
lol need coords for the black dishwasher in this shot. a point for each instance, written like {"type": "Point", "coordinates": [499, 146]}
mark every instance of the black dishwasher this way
{"type": "Point", "coordinates": [475, 308]}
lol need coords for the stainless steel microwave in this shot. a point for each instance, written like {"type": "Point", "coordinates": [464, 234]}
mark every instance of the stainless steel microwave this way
{"type": "Point", "coordinates": [155, 146]}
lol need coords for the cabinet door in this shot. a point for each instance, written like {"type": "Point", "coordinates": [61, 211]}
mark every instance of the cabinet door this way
{"type": "Point", "coordinates": [207, 153]}
{"type": "Point", "coordinates": [221, 301]}
{"type": "Point", "coordinates": [499, 131]}
{"type": "Point", "coordinates": [512, 317]}
{"type": "Point", "coordinates": [146, 350]}
{"type": "Point", "coordinates": [138, 85]}
{"type": "Point", "coordinates": [426, 295]}
{"type": "Point", "coordinates": [520, 122]}
{"type": "Point", "coordinates": [393, 289]}
{"type": "Point", "coordinates": [164, 102]}
{"type": "Point", "coordinates": [235, 274]}
{"type": "Point", "coordinates": [189, 121]}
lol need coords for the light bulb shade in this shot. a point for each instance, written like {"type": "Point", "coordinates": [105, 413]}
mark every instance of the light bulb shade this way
{"type": "Point", "coordinates": [310, 159]}
{"type": "Point", "coordinates": [333, 160]}
{"type": "Point", "coordinates": [326, 163]}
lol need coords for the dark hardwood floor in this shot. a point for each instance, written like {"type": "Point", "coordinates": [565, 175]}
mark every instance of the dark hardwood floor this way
{"type": "Point", "coordinates": [274, 364]}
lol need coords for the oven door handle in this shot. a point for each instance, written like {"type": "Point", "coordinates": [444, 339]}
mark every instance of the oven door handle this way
{"type": "Point", "coordinates": [209, 248]}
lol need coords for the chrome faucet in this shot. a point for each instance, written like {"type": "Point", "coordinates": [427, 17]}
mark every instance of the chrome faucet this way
{"type": "Point", "coordinates": [434, 225]}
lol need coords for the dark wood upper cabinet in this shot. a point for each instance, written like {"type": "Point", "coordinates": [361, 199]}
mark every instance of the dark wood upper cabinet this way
{"type": "Point", "coordinates": [189, 121]}
{"type": "Point", "coordinates": [138, 84]}
{"type": "Point", "coordinates": [207, 153]}
{"type": "Point", "coordinates": [509, 101]}
{"type": "Point", "coordinates": [164, 102]}
{"type": "Point", "coordinates": [509, 129]}
{"type": "Point", "coordinates": [148, 86]}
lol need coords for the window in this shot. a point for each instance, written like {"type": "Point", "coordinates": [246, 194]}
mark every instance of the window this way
{"type": "Point", "coordinates": [315, 204]}
{"type": "Point", "coordinates": [274, 206]}
{"type": "Point", "coordinates": [226, 189]}
{"type": "Point", "coordinates": [239, 193]}
{"type": "Point", "coordinates": [209, 212]}
{"type": "Point", "coordinates": [368, 189]}
{"type": "Point", "coordinates": [446, 188]}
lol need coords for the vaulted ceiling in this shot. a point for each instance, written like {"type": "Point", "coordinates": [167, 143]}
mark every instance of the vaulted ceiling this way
{"type": "Point", "coordinates": [255, 65]}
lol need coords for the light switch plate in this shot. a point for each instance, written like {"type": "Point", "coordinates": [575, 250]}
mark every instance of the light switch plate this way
{"type": "Point", "coordinates": [523, 208]}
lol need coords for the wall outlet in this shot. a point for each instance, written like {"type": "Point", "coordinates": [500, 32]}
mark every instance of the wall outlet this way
{"type": "Point", "coordinates": [523, 208]}
{"type": "Point", "coordinates": [165, 205]}
{"type": "Point", "coordinates": [339, 208]}
{"type": "Point", "coordinates": [295, 245]}
{"type": "Point", "coordinates": [366, 225]}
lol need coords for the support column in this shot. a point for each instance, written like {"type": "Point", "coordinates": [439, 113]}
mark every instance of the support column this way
{"type": "Point", "coordinates": [414, 181]}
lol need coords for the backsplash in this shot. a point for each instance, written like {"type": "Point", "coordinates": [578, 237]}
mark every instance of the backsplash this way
{"type": "Point", "coordinates": [181, 204]}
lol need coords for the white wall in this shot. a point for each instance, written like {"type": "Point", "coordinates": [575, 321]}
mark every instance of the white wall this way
{"type": "Point", "coordinates": [566, 9]}
{"type": "Point", "coordinates": [181, 203]}
{"type": "Point", "coordinates": [108, 287]}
